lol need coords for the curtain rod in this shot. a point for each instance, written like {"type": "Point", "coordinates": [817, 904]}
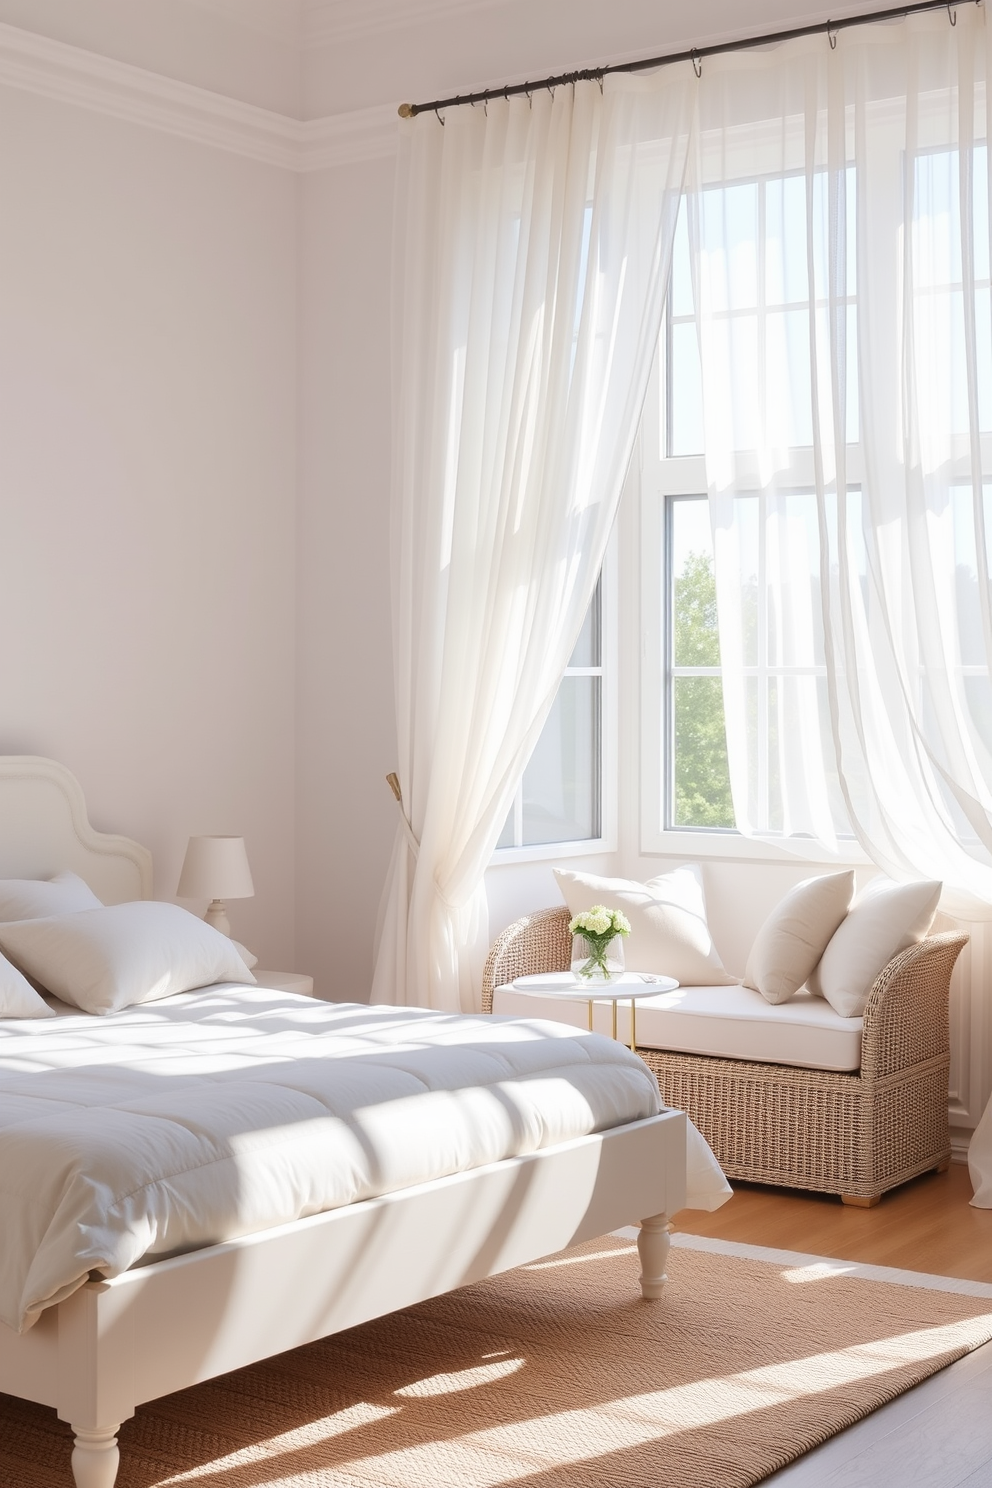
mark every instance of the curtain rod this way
{"type": "Point", "coordinates": [695, 55]}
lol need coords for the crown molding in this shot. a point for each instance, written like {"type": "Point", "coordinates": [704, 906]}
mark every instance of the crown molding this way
{"type": "Point", "coordinates": [340, 139]}
{"type": "Point", "coordinates": [67, 74]}
{"type": "Point", "coordinates": [324, 22]}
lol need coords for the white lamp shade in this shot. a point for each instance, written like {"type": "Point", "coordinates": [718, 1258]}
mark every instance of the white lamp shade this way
{"type": "Point", "coordinates": [216, 868]}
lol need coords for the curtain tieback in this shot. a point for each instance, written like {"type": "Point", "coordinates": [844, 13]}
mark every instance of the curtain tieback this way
{"type": "Point", "coordinates": [393, 781]}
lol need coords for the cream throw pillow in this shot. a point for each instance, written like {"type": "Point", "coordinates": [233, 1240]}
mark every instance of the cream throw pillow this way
{"type": "Point", "coordinates": [886, 918]}
{"type": "Point", "coordinates": [37, 898]}
{"type": "Point", "coordinates": [668, 930]}
{"type": "Point", "coordinates": [102, 960]}
{"type": "Point", "coordinates": [18, 999]}
{"type": "Point", "coordinates": [795, 934]}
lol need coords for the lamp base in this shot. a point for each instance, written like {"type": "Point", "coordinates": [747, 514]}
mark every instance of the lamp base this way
{"type": "Point", "coordinates": [216, 916]}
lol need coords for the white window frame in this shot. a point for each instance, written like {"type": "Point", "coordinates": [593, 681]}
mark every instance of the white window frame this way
{"type": "Point", "coordinates": [606, 842]}
{"type": "Point", "coordinates": [685, 475]}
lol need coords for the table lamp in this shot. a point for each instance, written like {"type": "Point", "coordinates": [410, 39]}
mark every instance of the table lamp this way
{"type": "Point", "coordinates": [216, 868]}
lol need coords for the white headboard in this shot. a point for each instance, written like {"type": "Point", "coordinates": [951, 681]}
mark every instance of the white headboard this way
{"type": "Point", "coordinates": [44, 828]}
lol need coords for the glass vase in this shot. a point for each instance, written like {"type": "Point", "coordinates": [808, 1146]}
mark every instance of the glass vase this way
{"type": "Point", "coordinates": [597, 963]}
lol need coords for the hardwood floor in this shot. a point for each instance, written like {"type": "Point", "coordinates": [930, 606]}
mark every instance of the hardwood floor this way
{"type": "Point", "coordinates": [940, 1434]}
{"type": "Point", "coordinates": [927, 1225]}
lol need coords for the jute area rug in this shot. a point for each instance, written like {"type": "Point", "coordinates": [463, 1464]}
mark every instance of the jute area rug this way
{"type": "Point", "coordinates": [557, 1375]}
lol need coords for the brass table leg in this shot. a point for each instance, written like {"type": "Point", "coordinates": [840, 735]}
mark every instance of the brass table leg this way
{"type": "Point", "coordinates": [633, 1025]}
{"type": "Point", "coordinates": [614, 1017]}
{"type": "Point", "coordinates": [589, 1005]}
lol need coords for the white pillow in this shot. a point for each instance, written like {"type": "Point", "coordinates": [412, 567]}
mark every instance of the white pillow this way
{"type": "Point", "coordinates": [102, 960]}
{"type": "Point", "coordinates": [36, 899]}
{"type": "Point", "coordinates": [886, 918]}
{"type": "Point", "coordinates": [18, 999]}
{"type": "Point", "coordinates": [795, 935]}
{"type": "Point", "coordinates": [247, 956]}
{"type": "Point", "coordinates": [668, 930]}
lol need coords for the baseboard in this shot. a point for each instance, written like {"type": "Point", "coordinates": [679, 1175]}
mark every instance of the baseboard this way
{"type": "Point", "coordinates": [960, 1139]}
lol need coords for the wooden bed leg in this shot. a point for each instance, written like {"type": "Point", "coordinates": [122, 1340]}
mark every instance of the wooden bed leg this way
{"type": "Point", "coordinates": [653, 1244]}
{"type": "Point", "coordinates": [943, 1165]}
{"type": "Point", "coordinates": [861, 1201]}
{"type": "Point", "coordinates": [95, 1458]}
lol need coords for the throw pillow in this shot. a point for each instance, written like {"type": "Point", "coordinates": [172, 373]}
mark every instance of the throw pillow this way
{"type": "Point", "coordinates": [795, 935]}
{"type": "Point", "coordinates": [668, 930]}
{"type": "Point", "coordinates": [18, 999]}
{"type": "Point", "coordinates": [35, 899]}
{"type": "Point", "coordinates": [102, 960]}
{"type": "Point", "coordinates": [886, 918]}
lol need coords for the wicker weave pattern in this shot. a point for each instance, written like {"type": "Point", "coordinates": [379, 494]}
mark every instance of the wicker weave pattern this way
{"type": "Point", "coordinates": [857, 1134]}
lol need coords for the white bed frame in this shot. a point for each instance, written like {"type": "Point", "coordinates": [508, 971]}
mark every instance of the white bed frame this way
{"type": "Point", "coordinates": [158, 1328]}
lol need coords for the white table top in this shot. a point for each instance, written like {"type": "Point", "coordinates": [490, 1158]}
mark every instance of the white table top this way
{"type": "Point", "coordinates": [563, 984]}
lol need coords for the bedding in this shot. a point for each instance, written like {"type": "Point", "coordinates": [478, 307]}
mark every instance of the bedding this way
{"type": "Point", "coordinates": [102, 960]}
{"type": "Point", "coordinates": [18, 999]}
{"type": "Point", "coordinates": [36, 898]}
{"type": "Point", "coordinates": [214, 1114]}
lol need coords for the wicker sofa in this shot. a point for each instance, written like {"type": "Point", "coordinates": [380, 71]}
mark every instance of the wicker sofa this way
{"type": "Point", "coordinates": [854, 1134]}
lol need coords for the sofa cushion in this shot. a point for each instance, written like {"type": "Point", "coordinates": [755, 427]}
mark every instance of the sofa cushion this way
{"type": "Point", "coordinates": [886, 918]}
{"type": "Point", "coordinates": [668, 929]}
{"type": "Point", "coordinates": [730, 1022]}
{"type": "Point", "coordinates": [795, 935]}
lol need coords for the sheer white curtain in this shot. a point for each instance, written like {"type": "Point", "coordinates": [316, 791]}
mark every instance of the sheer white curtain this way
{"type": "Point", "coordinates": [838, 223]}
{"type": "Point", "coordinates": [534, 243]}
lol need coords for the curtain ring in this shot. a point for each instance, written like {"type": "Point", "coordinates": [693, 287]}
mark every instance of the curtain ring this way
{"type": "Point", "coordinates": [952, 14]}
{"type": "Point", "coordinates": [832, 38]}
{"type": "Point", "coordinates": [697, 64]}
{"type": "Point", "coordinates": [438, 118]}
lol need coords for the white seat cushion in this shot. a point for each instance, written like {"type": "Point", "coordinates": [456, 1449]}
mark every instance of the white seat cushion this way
{"type": "Point", "coordinates": [730, 1022]}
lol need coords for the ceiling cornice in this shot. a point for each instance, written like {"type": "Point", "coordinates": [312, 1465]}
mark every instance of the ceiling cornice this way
{"type": "Point", "coordinates": [51, 69]}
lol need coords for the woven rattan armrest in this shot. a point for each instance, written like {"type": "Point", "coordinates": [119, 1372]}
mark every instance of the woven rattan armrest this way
{"type": "Point", "coordinates": [906, 1017]}
{"type": "Point", "coordinates": [537, 943]}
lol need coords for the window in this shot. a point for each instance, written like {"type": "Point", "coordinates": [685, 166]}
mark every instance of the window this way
{"type": "Point", "coordinates": [761, 273]}
{"type": "Point", "coordinates": [561, 796]}
{"type": "Point", "coordinates": [697, 776]}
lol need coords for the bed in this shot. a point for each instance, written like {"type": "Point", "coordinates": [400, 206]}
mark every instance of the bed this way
{"type": "Point", "coordinates": [108, 1342]}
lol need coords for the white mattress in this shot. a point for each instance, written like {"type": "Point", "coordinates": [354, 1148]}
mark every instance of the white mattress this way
{"type": "Point", "coordinates": [218, 1113]}
{"type": "Point", "coordinates": [730, 1022]}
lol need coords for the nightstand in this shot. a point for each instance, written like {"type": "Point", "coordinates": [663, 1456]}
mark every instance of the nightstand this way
{"type": "Point", "coordinates": [284, 981]}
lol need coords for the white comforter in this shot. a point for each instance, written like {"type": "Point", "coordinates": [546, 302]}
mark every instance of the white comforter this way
{"type": "Point", "coordinates": [218, 1113]}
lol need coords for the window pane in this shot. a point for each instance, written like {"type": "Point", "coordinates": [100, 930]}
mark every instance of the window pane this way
{"type": "Point", "coordinates": [729, 245]}
{"type": "Point", "coordinates": [588, 649]}
{"type": "Point", "coordinates": [694, 632]}
{"type": "Point", "coordinates": [685, 392]}
{"type": "Point", "coordinates": [561, 788]}
{"type": "Point", "coordinates": [702, 779]}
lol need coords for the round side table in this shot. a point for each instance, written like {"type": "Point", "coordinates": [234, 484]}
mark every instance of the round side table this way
{"type": "Point", "coordinates": [626, 988]}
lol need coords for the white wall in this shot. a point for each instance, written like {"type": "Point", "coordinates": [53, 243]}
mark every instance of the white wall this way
{"type": "Point", "coordinates": [147, 485]}
{"type": "Point", "coordinates": [346, 815]}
